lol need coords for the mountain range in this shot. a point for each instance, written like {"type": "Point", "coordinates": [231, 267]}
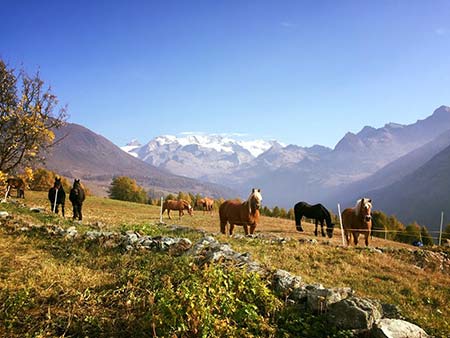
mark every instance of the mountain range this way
{"type": "Point", "coordinates": [83, 154]}
{"type": "Point", "coordinates": [378, 162]}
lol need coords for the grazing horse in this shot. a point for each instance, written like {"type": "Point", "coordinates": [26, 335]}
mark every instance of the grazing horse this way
{"type": "Point", "coordinates": [358, 220]}
{"type": "Point", "coordinates": [317, 212]}
{"type": "Point", "coordinates": [57, 196]}
{"type": "Point", "coordinates": [206, 204]}
{"type": "Point", "coordinates": [236, 213]}
{"type": "Point", "coordinates": [77, 197]}
{"type": "Point", "coordinates": [15, 183]}
{"type": "Point", "coordinates": [177, 205]}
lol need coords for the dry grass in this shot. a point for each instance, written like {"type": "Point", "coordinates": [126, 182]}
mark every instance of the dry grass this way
{"type": "Point", "coordinates": [423, 295]}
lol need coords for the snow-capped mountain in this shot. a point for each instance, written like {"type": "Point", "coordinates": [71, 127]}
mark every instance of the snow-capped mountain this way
{"type": "Point", "coordinates": [199, 156]}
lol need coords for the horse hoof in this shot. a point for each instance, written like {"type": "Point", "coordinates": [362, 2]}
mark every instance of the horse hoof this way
{"type": "Point", "coordinates": [300, 229]}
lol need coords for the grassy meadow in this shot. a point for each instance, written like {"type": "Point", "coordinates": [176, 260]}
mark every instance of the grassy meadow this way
{"type": "Point", "coordinates": [53, 287]}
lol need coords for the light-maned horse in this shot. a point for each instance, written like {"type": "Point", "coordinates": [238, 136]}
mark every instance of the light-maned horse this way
{"type": "Point", "coordinates": [206, 204]}
{"type": "Point", "coordinates": [15, 183]}
{"type": "Point", "coordinates": [236, 213]}
{"type": "Point", "coordinates": [180, 205]}
{"type": "Point", "coordinates": [358, 220]}
{"type": "Point", "coordinates": [317, 212]}
{"type": "Point", "coordinates": [76, 197]}
{"type": "Point", "coordinates": [57, 196]}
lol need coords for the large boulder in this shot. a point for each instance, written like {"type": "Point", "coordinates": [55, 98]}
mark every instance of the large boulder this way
{"type": "Point", "coordinates": [354, 313]}
{"type": "Point", "coordinates": [397, 328]}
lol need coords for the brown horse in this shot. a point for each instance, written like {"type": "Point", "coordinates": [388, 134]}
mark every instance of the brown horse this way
{"type": "Point", "coordinates": [177, 205]}
{"type": "Point", "coordinates": [15, 183]}
{"type": "Point", "coordinates": [236, 213]}
{"type": "Point", "coordinates": [358, 220]}
{"type": "Point", "coordinates": [206, 204]}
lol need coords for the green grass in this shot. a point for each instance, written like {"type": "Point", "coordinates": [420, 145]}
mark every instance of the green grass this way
{"type": "Point", "coordinates": [52, 287]}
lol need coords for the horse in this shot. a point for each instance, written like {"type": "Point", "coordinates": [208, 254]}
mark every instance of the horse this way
{"type": "Point", "coordinates": [177, 205]}
{"type": "Point", "coordinates": [317, 212]}
{"type": "Point", "coordinates": [77, 196]}
{"type": "Point", "coordinates": [236, 213]}
{"type": "Point", "coordinates": [57, 196]}
{"type": "Point", "coordinates": [358, 220]}
{"type": "Point", "coordinates": [15, 183]}
{"type": "Point", "coordinates": [206, 204]}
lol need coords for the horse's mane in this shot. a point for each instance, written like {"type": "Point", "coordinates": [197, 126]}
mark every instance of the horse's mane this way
{"type": "Point", "coordinates": [257, 195]}
{"type": "Point", "coordinates": [358, 205]}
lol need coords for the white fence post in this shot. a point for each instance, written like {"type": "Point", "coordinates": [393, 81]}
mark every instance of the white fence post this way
{"type": "Point", "coordinates": [440, 231]}
{"type": "Point", "coordinates": [56, 198]}
{"type": "Point", "coordinates": [160, 211]}
{"type": "Point", "coordinates": [340, 220]}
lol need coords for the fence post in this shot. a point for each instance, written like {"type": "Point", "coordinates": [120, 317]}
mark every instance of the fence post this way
{"type": "Point", "coordinates": [440, 231]}
{"type": "Point", "coordinates": [56, 198]}
{"type": "Point", "coordinates": [340, 221]}
{"type": "Point", "coordinates": [160, 210]}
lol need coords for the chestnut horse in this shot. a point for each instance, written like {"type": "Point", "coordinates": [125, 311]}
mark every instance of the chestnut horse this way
{"type": "Point", "coordinates": [206, 204]}
{"type": "Point", "coordinates": [177, 205]}
{"type": "Point", "coordinates": [236, 213]}
{"type": "Point", "coordinates": [358, 220]}
{"type": "Point", "coordinates": [15, 183]}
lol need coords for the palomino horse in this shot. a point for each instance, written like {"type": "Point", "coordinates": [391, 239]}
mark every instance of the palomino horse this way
{"type": "Point", "coordinates": [15, 183]}
{"type": "Point", "coordinates": [57, 196]}
{"type": "Point", "coordinates": [236, 213]}
{"type": "Point", "coordinates": [358, 220]}
{"type": "Point", "coordinates": [177, 205]}
{"type": "Point", "coordinates": [77, 196]}
{"type": "Point", "coordinates": [206, 204]}
{"type": "Point", "coordinates": [317, 212]}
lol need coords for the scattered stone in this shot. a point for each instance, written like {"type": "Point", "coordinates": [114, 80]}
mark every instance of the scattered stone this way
{"type": "Point", "coordinates": [354, 313]}
{"type": "Point", "coordinates": [37, 210]}
{"type": "Point", "coordinates": [397, 328]}
{"type": "Point", "coordinates": [4, 214]}
{"type": "Point", "coordinates": [284, 282]}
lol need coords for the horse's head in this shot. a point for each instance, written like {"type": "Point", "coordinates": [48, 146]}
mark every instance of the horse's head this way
{"type": "Point", "coordinates": [57, 184]}
{"type": "Point", "coordinates": [190, 209]}
{"type": "Point", "coordinates": [365, 209]}
{"type": "Point", "coordinates": [254, 200]}
{"type": "Point", "coordinates": [330, 228]}
{"type": "Point", "coordinates": [76, 183]}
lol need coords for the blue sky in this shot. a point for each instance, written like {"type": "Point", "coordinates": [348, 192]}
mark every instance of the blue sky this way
{"type": "Point", "coordinates": [301, 72]}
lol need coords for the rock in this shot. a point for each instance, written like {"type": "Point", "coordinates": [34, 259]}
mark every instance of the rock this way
{"type": "Point", "coordinates": [354, 313]}
{"type": "Point", "coordinates": [37, 210]}
{"type": "Point", "coordinates": [4, 214]}
{"type": "Point", "coordinates": [397, 328]}
{"type": "Point", "coordinates": [319, 298]}
{"type": "Point", "coordinates": [284, 282]}
{"type": "Point", "coordinates": [71, 233]}
{"type": "Point", "coordinates": [391, 311]}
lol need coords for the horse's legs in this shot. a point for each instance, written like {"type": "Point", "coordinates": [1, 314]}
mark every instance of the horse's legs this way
{"type": "Point", "coordinates": [245, 229]}
{"type": "Point", "coordinates": [347, 236]}
{"type": "Point", "coordinates": [168, 213]}
{"type": "Point", "coordinates": [321, 227]}
{"type": "Point", "coordinates": [231, 229]}
{"type": "Point", "coordinates": [315, 230]}
{"type": "Point", "coordinates": [62, 209]}
{"type": "Point", "coordinates": [252, 229]}
{"type": "Point", "coordinates": [366, 236]}
{"type": "Point", "coordinates": [74, 211]}
{"type": "Point", "coordinates": [223, 224]}
{"type": "Point", "coordinates": [80, 216]}
{"type": "Point", "coordinates": [355, 237]}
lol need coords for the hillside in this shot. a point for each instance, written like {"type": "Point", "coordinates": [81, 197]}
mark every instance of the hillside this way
{"type": "Point", "coordinates": [421, 195]}
{"type": "Point", "coordinates": [91, 286]}
{"type": "Point", "coordinates": [83, 154]}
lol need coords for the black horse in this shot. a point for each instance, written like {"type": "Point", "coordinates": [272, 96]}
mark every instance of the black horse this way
{"type": "Point", "coordinates": [77, 197]}
{"type": "Point", "coordinates": [317, 212]}
{"type": "Point", "coordinates": [57, 196]}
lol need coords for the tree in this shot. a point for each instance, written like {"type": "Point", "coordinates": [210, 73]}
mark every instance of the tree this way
{"type": "Point", "coordinates": [126, 189]}
{"type": "Point", "coordinates": [26, 119]}
{"type": "Point", "coordinates": [426, 237]}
